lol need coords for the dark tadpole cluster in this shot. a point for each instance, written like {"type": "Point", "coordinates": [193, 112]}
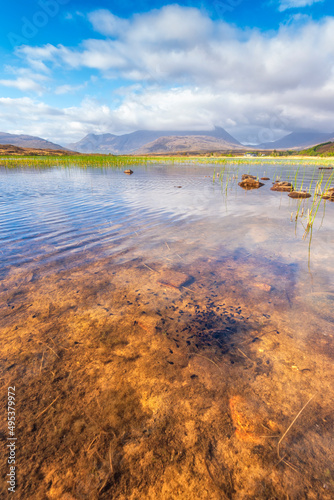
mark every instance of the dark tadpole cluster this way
{"type": "Point", "coordinates": [198, 327]}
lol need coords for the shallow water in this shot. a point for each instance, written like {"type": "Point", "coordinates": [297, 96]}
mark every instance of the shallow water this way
{"type": "Point", "coordinates": [161, 390]}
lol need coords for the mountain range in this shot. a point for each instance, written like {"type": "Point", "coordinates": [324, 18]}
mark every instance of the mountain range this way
{"type": "Point", "coordinates": [298, 140]}
{"type": "Point", "coordinates": [150, 142]}
{"type": "Point", "coordinates": [131, 143]}
{"type": "Point", "coordinates": [153, 142]}
{"type": "Point", "coordinates": [187, 144]}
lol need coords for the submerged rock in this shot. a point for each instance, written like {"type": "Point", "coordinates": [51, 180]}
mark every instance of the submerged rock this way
{"type": "Point", "coordinates": [282, 186]}
{"type": "Point", "coordinates": [265, 179]}
{"type": "Point", "coordinates": [329, 194]}
{"type": "Point", "coordinates": [299, 194]}
{"type": "Point", "coordinates": [263, 286]}
{"type": "Point", "coordinates": [147, 323]}
{"type": "Point", "coordinates": [173, 279]}
{"type": "Point", "coordinates": [250, 183]}
{"type": "Point", "coordinates": [250, 420]}
{"type": "Point", "coordinates": [129, 171]}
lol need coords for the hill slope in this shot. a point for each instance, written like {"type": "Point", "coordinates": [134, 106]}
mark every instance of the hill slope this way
{"type": "Point", "coordinates": [9, 149]}
{"type": "Point", "coordinates": [190, 143]}
{"type": "Point", "coordinates": [27, 141]}
{"type": "Point", "coordinates": [326, 149]}
{"type": "Point", "coordinates": [129, 143]}
{"type": "Point", "coordinates": [298, 140]}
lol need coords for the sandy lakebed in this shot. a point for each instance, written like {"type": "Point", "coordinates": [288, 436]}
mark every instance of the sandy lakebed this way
{"type": "Point", "coordinates": [168, 334]}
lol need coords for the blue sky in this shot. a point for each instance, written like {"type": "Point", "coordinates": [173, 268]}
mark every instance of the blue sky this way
{"type": "Point", "coordinates": [260, 69]}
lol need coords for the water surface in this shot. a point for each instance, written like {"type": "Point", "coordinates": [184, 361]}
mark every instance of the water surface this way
{"type": "Point", "coordinates": [159, 390]}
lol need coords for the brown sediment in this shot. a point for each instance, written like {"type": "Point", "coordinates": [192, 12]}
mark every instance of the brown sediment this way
{"type": "Point", "coordinates": [154, 392]}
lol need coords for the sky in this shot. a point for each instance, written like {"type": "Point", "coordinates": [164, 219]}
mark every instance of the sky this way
{"type": "Point", "coordinates": [260, 69]}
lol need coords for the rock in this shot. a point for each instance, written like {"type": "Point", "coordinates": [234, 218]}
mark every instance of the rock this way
{"type": "Point", "coordinates": [129, 171]}
{"type": "Point", "coordinates": [282, 186]}
{"type": "Point", "coordinates": [329, 194]}
{"type": "Point", "coordinates": [299, 194]}
{"type": "Point", "coordinates": [173, 279]}
{"type": "Point", "coordinates": [147, 323]}
{"type": "Point", "coordinates": [248, 176]}
{"type": "Point", "coordinates": [245, 418]}
{"type": "Point", "coordinates": [265, 179]}
{"type": "Point", "coordinates": [263, 286]}
{"type": "Point", "coordinates": [250, 183]}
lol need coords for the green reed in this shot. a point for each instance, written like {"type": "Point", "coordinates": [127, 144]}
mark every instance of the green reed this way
{"type": "Point", "coordinates": [110, 161]}
{"type": "Point", "coordinates": [312, 213]}
{"type": "Point", "coordinates": [301, 187]}
{"type": "Point", "coordinates": [295, 183]}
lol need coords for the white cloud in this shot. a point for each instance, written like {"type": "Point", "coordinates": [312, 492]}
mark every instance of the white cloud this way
{"type": "Point", "coordinates": [193, 108]}
{"type": "Point", "coordinates": [106, 23]}
{"type": "Point", "coordinates": [177, 45]}
{"type": "Point", "coordinates": [295, 4]}
{"type": "Point", "coordinates": [68, 89]}
{"type": "Point", "coordinates": [26, 79]}
{"type": "Point", "coordinates": [23, 84]}
{"type": "Point", "coordinates": [190, 71]}
{"type": "Point", "coordinates": [35, 56]}
{"type": "Point", "coordinates": [33, 117]}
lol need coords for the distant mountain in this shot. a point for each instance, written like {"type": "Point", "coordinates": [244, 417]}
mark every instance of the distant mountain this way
{"type": "Point", "coordinates": [187, 143]}
{"type": "Point", "coordinates": [298, 140]}
{"type": "Point", "coordinates": [10, 150]}
{"type": "Point", "coordinates": [27, 141]}
{"type": "Point", "coordinates": [129, 143]}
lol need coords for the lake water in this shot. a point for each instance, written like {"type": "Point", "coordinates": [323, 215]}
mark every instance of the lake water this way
{"type": "Point", "coordinates": [164, 329]}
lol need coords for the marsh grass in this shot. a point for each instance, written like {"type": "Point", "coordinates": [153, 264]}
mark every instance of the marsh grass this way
{"type": "Point", "coordinates": [309, 214]}
{"type": "Point", "coordinates": [304, 212]}
{"type": "Point", "coordinates": [310, 187]}
{"type": "Point", "coordinates": [316, 203]}
{"type": "Point", "coordinates": [110, 161]}
{"type": "Point", "coordinates": [296, 177]}
{"type": "Point", "coordinates": [301, 187]}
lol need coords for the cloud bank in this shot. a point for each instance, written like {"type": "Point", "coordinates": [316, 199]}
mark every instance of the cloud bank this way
{"type": "Point", "coordinates": [296, 4]}
{"type": "Point", "coordinates": [180, 69]}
